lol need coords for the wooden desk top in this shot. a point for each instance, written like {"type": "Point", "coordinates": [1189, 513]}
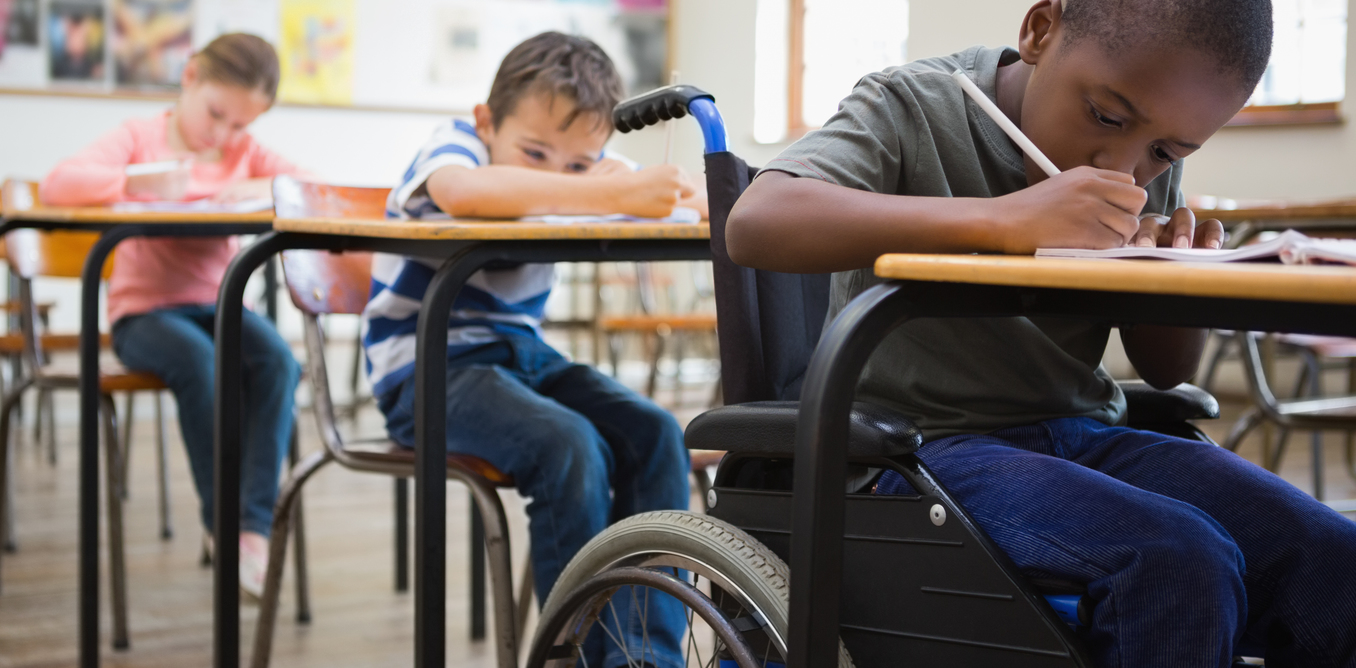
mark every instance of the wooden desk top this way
{"type": "Point", "coordinates": [1262, 210]}
{"type": "Point", "coordinates": [489, 230]}
{"type": "Point", "coordinates": [20, 202]}
{"type": "Point", "coordinates": [1313, 284]}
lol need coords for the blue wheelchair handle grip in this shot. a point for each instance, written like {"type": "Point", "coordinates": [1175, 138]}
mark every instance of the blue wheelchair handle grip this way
{"type": "Point", "coordinates": [671, 102]}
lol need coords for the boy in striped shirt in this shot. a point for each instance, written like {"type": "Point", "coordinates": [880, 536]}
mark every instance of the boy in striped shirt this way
{"type": "Point", "coordinates": [585, 449]}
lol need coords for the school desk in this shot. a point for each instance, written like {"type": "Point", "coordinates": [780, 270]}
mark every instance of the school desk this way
{"type": "Point", "coordinates": [21, 209]}
{"type": "Point", "coordinates": [465, 246]}
{"type": "Point", "coordinates": [1321, 218]}
{"type": "Point", "coordinates": [1252, 297]}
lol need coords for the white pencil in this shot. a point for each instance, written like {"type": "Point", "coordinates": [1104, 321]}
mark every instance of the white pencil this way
{"type": "Point", "coordinates": [1004, 122]}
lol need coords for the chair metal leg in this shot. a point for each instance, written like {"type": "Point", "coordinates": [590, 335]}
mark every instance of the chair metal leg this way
{"type": "Point", "coordinates": [116, 547]}
{"type": "Point", "coordinates": [48, 412]}
{"type": "Point", "coordinates": [277, 554]}
{"type": "Point", "coordinates": [525, 595]}
{"type": "Point", "coordinates": [1315, 367]}
{"type": "Point", "coordinates": [299, 558]}
{"type": "Point", "coordinates": [658, 352]}
{"type": "Point", "coordinates": [402, 534]}
{"type": "Point", "coordinates": [128, 417]}
{"type": "Point", "coordinates": [162, 464]}
{"type": "Point", "coordinates": [7, 413]}
{"type": "Point", "coordinates": [495, 526]}
{"type": "Point", "coordinates": [477, 546]}
{"type": "Point", "coordinates": [1246, 423]}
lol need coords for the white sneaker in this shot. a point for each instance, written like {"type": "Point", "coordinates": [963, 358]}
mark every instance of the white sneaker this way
{"type": "Point", "coordinates": [253, 567]}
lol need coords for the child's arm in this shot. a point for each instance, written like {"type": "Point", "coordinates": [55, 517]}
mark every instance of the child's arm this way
{"type": "Point", "coordinates": [264, 165]}
{"type": "Point", "coordinates": [804, 225]}
{"type": "Point", "coordinates": [1167, 356]}
{"type": "Point", "coordinates": [96, 175]}
{"type": "Point", "coordinates": [501, 191]}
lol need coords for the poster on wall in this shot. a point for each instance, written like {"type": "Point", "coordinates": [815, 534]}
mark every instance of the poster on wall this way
{"type": "Point", "coordinates": [315, 49]}
{"type": "Point", "coordinates": [21, 61]}
{"type": "Point", "coordinates": [76, 31]}
{"type": "Point", "coordinates": [152, 41]}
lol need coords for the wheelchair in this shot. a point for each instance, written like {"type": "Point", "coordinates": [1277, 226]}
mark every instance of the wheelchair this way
{"type": "Point", "coordinates": [921, 582]}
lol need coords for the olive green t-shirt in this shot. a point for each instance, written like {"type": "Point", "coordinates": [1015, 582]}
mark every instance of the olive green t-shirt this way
{"type": "Point", "coordinates": [910, 130]}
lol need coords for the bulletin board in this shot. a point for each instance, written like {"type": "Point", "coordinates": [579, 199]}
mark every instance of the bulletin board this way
{"type": "Point", "coordinates": [434, 55]}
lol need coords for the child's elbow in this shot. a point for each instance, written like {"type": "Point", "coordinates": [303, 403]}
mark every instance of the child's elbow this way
{"type": "Point", "coordinates": [741, 238]}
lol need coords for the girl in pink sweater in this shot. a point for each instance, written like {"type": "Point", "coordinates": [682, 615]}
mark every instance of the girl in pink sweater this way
{"type": "Point", "coordinates": [163, 291]}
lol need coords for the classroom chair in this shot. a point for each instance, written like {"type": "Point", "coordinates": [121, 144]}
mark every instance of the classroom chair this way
{"type": "Point", "coordinates": [32, 254]}
{"type": "Point", "coordinates": [1308, 410]}
{"type": "Point", "coordinates": [974, 607]}
{"type": "Point", "coordinates": [322, 283]}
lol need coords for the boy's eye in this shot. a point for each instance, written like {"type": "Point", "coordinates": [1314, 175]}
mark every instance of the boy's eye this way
{"type": "Point", "coordinates": [216, 115]}
{"type": "Point", "coordinates": [578, 167]}
{"type": "Point", "coordinates": [1160, 154]}
{"type": "Point", "coordinates": [535, 155]}
{"type": "Point", "coordinates": [1103, 119]}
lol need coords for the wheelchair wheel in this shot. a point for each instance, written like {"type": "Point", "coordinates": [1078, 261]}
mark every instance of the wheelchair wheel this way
{"type": "Point", "coordinates": [733, 589]}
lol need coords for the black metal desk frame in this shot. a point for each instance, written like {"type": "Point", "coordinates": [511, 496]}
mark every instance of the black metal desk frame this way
{"type": "Point", "coordinates": [831, 381]}
{"type": "Point", "coordinates": [464, 258]}
{"type": "Point", "coordinates": [113, 233]}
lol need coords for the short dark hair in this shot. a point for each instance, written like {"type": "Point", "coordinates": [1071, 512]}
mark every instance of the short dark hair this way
{"type": "Point", "coordinates": [561, 66]}
{"type": "Point", "coordinates": [1236, 33]}
{"type": "Point", "coordinates": [241, 59]}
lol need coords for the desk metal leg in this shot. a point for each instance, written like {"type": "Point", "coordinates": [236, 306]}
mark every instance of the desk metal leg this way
{"type": "Point", "coordinates": [226, 562]}
{"type": "Point", "coordinates": [89, 440]}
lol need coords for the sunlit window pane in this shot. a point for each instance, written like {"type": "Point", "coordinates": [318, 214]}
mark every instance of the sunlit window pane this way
{"type": "Point", "coordinates": [844, 40]}
{"type": "Point", "coordinates": [1308, 58]}
{"type": "Point", "coordinates": [772, 31]}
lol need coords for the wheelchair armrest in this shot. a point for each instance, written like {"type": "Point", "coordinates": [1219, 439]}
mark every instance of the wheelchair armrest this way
{"type": "Point", "coordinates": [1148, 406]}
{"type": "Point", "coordinates": [769, 428]}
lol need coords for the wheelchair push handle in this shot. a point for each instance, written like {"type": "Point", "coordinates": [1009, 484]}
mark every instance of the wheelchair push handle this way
{"type": "Point", "coordinates": [669, 103]}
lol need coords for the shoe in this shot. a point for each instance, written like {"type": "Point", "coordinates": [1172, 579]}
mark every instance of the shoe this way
{"type": "Point", "coordinates": [253, 567]}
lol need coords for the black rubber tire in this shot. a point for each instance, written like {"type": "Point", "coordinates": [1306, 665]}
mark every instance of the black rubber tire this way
{"type": "Point", "coordinates": [722, 550]}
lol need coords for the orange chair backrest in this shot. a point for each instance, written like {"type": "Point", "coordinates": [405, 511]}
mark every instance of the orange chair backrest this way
{"type": "Point", "coordinates": [60, 253]}
{"type": "Point", "coordinates": [324, 282]}
{"type": "Point", "coordinates": [303, 199]}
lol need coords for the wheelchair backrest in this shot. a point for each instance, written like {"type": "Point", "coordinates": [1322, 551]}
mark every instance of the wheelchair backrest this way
{"type": "Point", "coordinates": [769, 321]}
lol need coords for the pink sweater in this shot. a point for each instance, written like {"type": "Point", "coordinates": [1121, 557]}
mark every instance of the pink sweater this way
{"type": "Point", "coordinates": [155, 273]}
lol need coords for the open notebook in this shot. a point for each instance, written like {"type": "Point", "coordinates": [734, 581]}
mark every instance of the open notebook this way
{"type": "Point", "coordinates": [195, 206]}
{"type": "Point", "coordinates": [1289, 247]}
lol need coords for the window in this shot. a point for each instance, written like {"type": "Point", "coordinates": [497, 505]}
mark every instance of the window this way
{"type": "Point", "coordinates": [1307, 74]}
{"type": "Point", "coordinates": [810, 53]}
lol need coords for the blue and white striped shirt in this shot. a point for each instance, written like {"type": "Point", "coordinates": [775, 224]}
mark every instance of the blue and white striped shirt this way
{"type": "Point", "coordinates": [493, 304]}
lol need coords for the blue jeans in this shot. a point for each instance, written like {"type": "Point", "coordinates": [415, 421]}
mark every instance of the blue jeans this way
{"type": "Point", "coordinates": [176, 344]}
{"type": "Point", "coordinates": [1191, 553]}
{"type": "Point", "coordinates": [586, 450]}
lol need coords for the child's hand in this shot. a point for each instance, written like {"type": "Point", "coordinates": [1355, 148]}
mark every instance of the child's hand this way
{"type": "Point", "coordinates": [248, 189]}
{"type": "Point", "coordinates": [652, 192]}
{"type": "Point", "coordinates": [165, 186]}
{"type": "Point", "coordinates": [1081, 208]}
{"type": "Point", "coordinates": [1179, 231]}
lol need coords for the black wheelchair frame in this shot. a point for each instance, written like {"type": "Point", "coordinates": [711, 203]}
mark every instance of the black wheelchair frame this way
{"type": "Point", "coordinates": [898, 578]}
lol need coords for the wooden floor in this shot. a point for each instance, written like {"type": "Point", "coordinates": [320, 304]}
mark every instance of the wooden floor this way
{"type": "Point", "coordinates": [358, 619]}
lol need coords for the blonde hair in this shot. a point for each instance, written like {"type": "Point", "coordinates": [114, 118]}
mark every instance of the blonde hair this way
{"type": "Point", "coordinates": [240, 59]}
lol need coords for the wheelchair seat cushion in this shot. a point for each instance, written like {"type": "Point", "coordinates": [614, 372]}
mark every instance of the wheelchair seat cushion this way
{"type": "Point", "coordinates": [1146, 405]}
{"type": "Point", "coordinates": [769, 427]}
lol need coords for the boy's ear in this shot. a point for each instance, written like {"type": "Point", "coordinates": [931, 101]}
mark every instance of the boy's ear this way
{"type": "Point", "coordinates": [484, 122]}
{"type": "Point", "coordinates": [1038, 29]}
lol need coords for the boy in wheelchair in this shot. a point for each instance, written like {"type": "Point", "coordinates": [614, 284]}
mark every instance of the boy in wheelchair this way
{"type": "Point", "coordinates": [1190, 554]}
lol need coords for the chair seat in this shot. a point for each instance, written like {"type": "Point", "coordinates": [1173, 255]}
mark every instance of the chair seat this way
{"type": "Point", "coordinates": [1149, 406]}
{"type": "Point", "coordinates": [1332, 347]}
{"type": "Point", "coordinates": [13, 344]}
{"type": "Point", "coordinates": [691, 322]}
{"type": "Point", "coordinates": [769, 428]}
{"type": "Point", "coordinates": [390, 452]}
{"type": "Point", "coordinates": [113, 377]}
{"type": "Point", "coordinates": [705, 459]}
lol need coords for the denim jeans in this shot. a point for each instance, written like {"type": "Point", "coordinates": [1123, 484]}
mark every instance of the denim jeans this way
{"type": "Point", "coordinates": [176, 344]}
{"type": "Point", "coordinates": [1191, 553]}
{"type": "Point", "coordinates": [586, 450]}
